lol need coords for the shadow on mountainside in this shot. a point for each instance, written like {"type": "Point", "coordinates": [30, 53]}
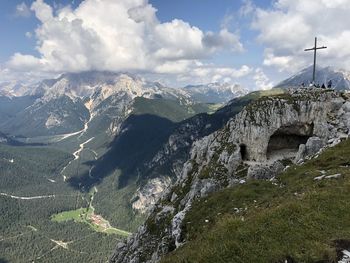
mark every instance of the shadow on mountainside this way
{"type": "Point", "coordinates": [143, 136]}
{"type": "Point", "coordinates": [140, 138]}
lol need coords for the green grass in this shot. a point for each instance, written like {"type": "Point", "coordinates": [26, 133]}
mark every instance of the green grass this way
{"type": "Point", "coordinates": [209, 108]}
{"type": "Point", "coordinates": [170, 109]}
{"type": "Point", "coordinates": [69, 215]}
{"type": "Point", "coordinates": [84, 215]}
{"type": "Point", "coordinates": [295, 217]}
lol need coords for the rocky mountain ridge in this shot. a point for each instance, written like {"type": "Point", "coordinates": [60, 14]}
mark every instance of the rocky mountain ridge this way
{"type": "Point", "coordinates": [254, 144]}
{"type": "Point", "coordinates": [79, 97]}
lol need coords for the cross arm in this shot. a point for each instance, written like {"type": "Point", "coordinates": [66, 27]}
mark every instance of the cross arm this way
{"type": "Point", "coordinates": [309, 49]}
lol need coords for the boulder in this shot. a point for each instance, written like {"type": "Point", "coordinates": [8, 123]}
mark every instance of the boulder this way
{"type": "Point", "coordinates": [265, 171]}
{"type": "Point", "coordinates": [313, 145]}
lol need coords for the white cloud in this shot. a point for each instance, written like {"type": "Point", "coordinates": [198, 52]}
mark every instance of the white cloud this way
{"type": "Point", "coordinates": [289, 27]}
{"type": "Point", "coordinates": [247, 8]}
{"type": "Point", "coordinates": [22, 10]}
{"type": "Point", "coordinates": [224, 39]}
{"type": "Point", "coordinates": [28, 34]}
{"type": "Point", "coordinates": [28, 77]}
{"type": "Point", "coordinates": [262, 82]}
{"type": "Point", "coordinates": [123, 35]}
{"type": "Point", "coordinates": [198, 73]}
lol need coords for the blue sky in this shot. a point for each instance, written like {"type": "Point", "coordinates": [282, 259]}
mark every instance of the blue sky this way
{"type": "Point", "coordinates": [205, 14]}
{"type": "Point", "coordinates": [14, 26]}
{"type": "Point", "coordinates": [255, 43]}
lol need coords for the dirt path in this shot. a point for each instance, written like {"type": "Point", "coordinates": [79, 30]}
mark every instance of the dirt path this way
{"type": "Point", "coordinates": [28, 198]}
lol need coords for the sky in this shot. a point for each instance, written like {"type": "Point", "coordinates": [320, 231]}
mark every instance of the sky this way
{"type": "Point", "coordinates": [252, 43]}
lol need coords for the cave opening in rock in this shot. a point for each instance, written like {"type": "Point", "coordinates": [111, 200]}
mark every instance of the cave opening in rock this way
{"type": "Point", "coordinates": [284, 143]}
{"type": "Point", "coordinates": [243, 151]}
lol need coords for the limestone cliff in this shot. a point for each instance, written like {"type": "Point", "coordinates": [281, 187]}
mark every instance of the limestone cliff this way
{"type": "Point", "coordinates": [256, 143]}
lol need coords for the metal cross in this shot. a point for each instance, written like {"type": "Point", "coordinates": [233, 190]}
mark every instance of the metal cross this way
{"type": "Point", "coordinates": [314, 49]}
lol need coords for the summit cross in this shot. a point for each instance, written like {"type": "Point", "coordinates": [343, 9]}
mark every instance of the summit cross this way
{"type": "Point", "coordinates": [314, 49]}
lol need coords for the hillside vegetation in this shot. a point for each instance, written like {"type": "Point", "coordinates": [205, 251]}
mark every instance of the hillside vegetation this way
{"type": "Point", "coordinates": [294, 218]}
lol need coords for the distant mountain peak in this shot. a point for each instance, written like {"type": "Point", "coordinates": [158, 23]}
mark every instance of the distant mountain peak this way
{"type": "Point", "coordinates": [215, 92]}
{"type": "Point", "coordinates": [340, 78]}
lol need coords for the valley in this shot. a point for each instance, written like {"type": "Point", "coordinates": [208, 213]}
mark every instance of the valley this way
{"type": "Point", "coordinates": [99, 175]}
{"type": "Point", "coordinates": [150, 131]}
{"type": "Point", "coordinates": [52, 187]}
{"type": "Point", "coordinates": [28, 200]}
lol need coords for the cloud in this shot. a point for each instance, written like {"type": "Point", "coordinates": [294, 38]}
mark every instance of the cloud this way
{"type": "Point", "coordinates": [224, 39]}
{"type": "Point", "coordinates": [247, 8]}
{"type": "Point", "coordinates": [28, 34]}
{"type": "Point", "coordinates": [262, 82]}
{"type": "Point", "coordinates": [28, 77]}
{"type": "Point", "coordinates": [198, 73]}
{"type": "Point", "coordinates": [22, 10]}
{"type": "Point", "coordinates": [123, 35]}
{"type": "Point", "coordinates": [289, 27]}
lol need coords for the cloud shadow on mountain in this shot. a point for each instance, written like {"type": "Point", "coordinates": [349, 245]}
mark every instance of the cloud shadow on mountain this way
{"type": "Point", "coordinates": [140, 139]}
{"type": "Point", "coordinates": [142, 136]}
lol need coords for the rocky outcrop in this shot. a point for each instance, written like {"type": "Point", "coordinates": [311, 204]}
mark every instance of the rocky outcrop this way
{"type": "Point", "coordinates": [146, 197]}
{"type": "Point", "coordinates": [264, 171]}
{"type": "Point", "coordinates": [303, 113]}
{"type": "Point", "coordinates": [211, 167]}
{"type": "Point", "coordinates": [312, 146]}
{"type": "Point", "coordinates": [307, 120]}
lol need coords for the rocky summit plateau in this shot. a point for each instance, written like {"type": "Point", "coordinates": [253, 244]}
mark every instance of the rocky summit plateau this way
{"type": "Point", "coordinates": [262, 171]}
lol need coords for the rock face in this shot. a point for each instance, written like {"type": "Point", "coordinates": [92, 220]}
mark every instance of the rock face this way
{"type": "Point", "coordinates": [146, 197]}
{"type": "Point", "coordinates": [290, 118]}
{"type": "Point", "coordinates": [252, 145]}
{"type": "Point", "coordinates": [264, 171]}
{"type": "Point", "coordinates": [312, 146]}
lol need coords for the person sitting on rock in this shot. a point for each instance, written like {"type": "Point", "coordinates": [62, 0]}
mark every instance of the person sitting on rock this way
{"type": "Point", "coordinates": [323, 86]}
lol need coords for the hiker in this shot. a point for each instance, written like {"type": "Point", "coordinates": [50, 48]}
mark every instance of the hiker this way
{"type": "Point", "coordinates": [323, 86]}
{"type": "Point", "coordinates": [329, 85]}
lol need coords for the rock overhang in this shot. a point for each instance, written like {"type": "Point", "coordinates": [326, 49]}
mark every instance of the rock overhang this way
{"type": "Point", "coordinates": [289, 119]}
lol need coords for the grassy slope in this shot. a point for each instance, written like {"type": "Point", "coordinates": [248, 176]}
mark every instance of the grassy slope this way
{"type": "Point", "coordinates": [295, 217]}
{"type": "Point", "coordinates": [169, 109]}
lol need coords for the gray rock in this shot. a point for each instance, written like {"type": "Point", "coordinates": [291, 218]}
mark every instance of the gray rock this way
{"type": "Point", "coordinates": [313, 145]}
{"type": "Point", "coordinates": [333, 176]}
{"type": "Point", "coordinates": [300, 154]}
{"type": "Point", "coordinates": [306, 116]}
{"type": "Point", "coordinates": [265, 171]}
{"type": "Point", "coordinates": [346, 106]}
{"type": "Point", "coordinates": [318, 178]}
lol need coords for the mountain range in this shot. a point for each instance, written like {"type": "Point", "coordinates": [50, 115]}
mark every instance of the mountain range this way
{"type": "Point", "coordinates": [109, 145]}
{"type": "Point", "coordinates": [113, 136]}
{"type": "Point", "coordinates": [66, 104]}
